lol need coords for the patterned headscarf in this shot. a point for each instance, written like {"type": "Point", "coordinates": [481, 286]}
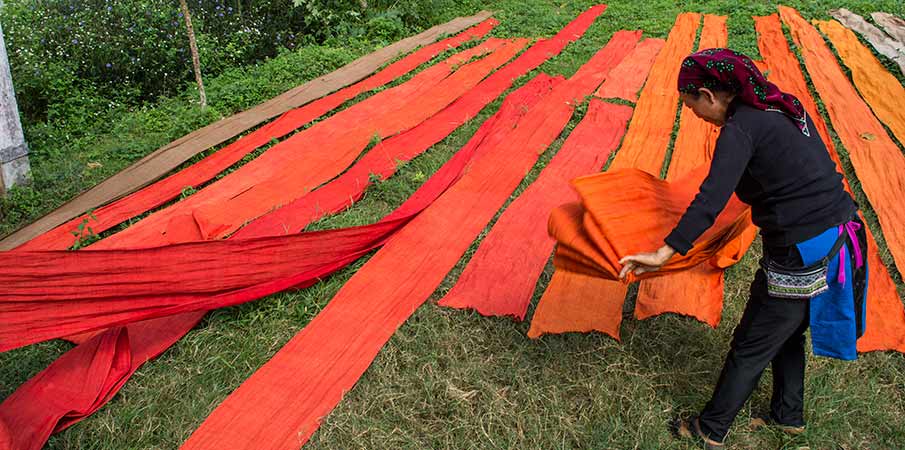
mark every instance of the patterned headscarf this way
{"type": "Point", "coordinates": [728, 70]}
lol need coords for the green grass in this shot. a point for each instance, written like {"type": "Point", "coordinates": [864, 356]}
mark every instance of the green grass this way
{"type": "Point", "coordinates": [452, 379]}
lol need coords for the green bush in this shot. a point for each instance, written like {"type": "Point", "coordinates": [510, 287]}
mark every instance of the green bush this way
{"type": "Point", "coordinates": [73, 60]}
{"type": "Point", "coordinates": [133, 51]}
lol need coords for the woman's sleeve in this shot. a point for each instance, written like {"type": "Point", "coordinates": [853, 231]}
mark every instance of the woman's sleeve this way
{"type": "Point", "coordinates": [733, 151]}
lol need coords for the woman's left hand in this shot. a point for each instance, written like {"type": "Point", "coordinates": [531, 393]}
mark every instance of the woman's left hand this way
{"type": "Point", "coordinates": [645, 262]}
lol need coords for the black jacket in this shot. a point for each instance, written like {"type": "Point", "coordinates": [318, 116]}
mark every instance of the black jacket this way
{"type": "Point", "coordinates": [786, 176]}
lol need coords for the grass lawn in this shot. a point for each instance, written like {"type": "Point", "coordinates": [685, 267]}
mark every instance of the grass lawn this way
{"type": "Point", "coordinates": [447, 378]}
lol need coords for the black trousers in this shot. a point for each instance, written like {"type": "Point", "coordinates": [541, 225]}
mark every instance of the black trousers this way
{"type": "Point", "coordinates": [771, 331]}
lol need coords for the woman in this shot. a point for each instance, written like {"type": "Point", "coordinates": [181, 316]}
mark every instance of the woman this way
{"type": "Point", "coordinates": [770, 155]}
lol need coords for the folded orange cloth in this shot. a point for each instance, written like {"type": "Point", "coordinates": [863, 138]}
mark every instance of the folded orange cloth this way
{"type": "Point", "coordinates": [629, 211]}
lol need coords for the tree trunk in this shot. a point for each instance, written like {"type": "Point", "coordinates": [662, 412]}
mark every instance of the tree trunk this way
{"type": "Point", "coordinates": [196, 62]}
{"type": "Point", "coordinates": [14, 167]}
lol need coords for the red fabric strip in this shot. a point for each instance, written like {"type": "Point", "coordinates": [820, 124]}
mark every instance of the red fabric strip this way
{"type": "Point", "coordinates": [885, 327]}
{"type": "Point", "coordinates": [67, 390]}
{"type": "Point", "coordinates": [50, 294]}
{"type": "Point", "coordinates": [164, 190]}
{"type": "Point", "coordinates": [574, 302]}
{"type": "Point", "coordinates": [30, 421]}
{"type": "Point", "coordinates": [626, 79]}
{"type": "Point", "coordinates": [148, 339]}
{"type": "Point", "coordinates": [383, 159]}
{"type": "Point", "coordinates": [501, 276]}
{"type": "Point", "coordinates": [316, 154]}
{"type": "Point", "coordinates": [281, 405]}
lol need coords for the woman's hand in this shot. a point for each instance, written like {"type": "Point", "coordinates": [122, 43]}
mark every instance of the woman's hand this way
{"type": "Point", "coordinates": [645, 262]}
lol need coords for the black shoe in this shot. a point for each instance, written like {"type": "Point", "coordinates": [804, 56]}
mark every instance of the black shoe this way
{"type": "Point", "coordinates": [766, 420]}
{"type": "Point", "coordinates": [691, 429]}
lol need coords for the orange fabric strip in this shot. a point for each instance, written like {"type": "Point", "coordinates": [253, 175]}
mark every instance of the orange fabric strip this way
{"type": "Point", "coordinates": [160, 192]}
{"type": "Point", "coordinates": [582, 303]}
{"type": "Point", "coordinates": [696, 139]}
{"type": "Point", "coordinates": [878, 162]}
{"type": "Point", "coordinates": [651, 127]}
{"type": "Point", "coordinates": [316, 154]}
{"type": "Point", "coordinates": [281, 405]}
{"type": "Point", "coordinates": [500, 278]}
{"type": "Point", "coordinates": [627, 78]}
{"type": "Point", "coordinates": [697, 292]}
{"type": "Point", "coordinates": [885, 314]}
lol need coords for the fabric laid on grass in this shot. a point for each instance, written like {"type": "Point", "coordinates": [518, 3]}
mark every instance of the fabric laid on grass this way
{"type": "Point", "coordinates": [696, 138]}
{"type": "Point", "coordinates": [500, 278]}
{"type": "Point", "coordinates": [148, 340]}
{"type": "Point", "coordinates": [170, 156]}
{"type": "Point", "coordinates": [885, 314]}
{"type": "Point", "coordinates": [894, 26]}
{"type": "Point", "coordinates": [626, 79]}
{"type": "Point", "coordinates": [877, 160]}
{"type": "Point", "coordinates": [50, 294]}
{"type": "Point", "coordinates": [198, 173]}
{"type": "Point", "coordinates": [281, 405]}
{"type": "Point", "coordinates": [34, 410]}
{"type": "Point", "coordinates": [317, 154]}
{"type": "Point", "coordinates": [697, 292]}
{"type": "Point", "coordinates": [651, 127]}
{"type": "Point", "coordinates": [579, 303]}
{"type": "Point", "coordinates": [880, 89]}
{"type": "Point", "coordinates": [384, 158]}
{"type": "Point", "coordinates": [68, 390]}
{"type": "Point", "coordinates": [177, 224]}
{"type": "Point", "coordinates": [5, 439]}
{"type": "Point", "coordinates": [884, 45]}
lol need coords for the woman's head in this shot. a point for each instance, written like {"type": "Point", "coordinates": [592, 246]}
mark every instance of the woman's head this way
{"type": "Point", "coordinates": [710, 105]}
{"type": "Point", "coordinates": [711, 79]}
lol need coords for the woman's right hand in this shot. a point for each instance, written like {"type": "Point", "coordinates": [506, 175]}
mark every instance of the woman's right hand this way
{"type": "Point", "coordinates": [645, 262]}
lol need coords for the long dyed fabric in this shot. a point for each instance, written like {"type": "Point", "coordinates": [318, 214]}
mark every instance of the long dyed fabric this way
{"type": "Point", "coordinates": [577, 303]}
{"type": "Point", "coordinates": [894, 26]}
{"type": "Point", "coordinates": [193, 176]}
{"type": "Point", "coordinates": [697, 138]}
{"type": "Point", "coordinates": [315, 155]}
{"type": "Point", "coordinates": [383, 160]}
{"type": "Point", "coordinates": [885, 314]}
{"type": "Point", "coordinates": [877, 160]}
{"type": "Point", "coordinates": [877, 86]}
{"type": "Point", "coordinates": [651, 127]}
{"type": "Point", "coordinates": [170, 156]}
{"type": "Point", "coordinates": [68, 391]}
{"type": "Point", "coordinates": [148, 339]}
{"type": "Point", "coordinates": [697, 292]}
{"type": "Point", "coordinates": [281, 405]}
{"type": "Point", "coordinates": [574, 302]}
{"type": "Point", "coordinates": [50, 294]}
{"type": "Point", "coordinates": [885, 45]}
{"type": "Point", "coordinates": [626, 79]}
{"type": "Point", "coordinates": [607, 225]}
{"type": "Point", "coordinates": [501, 276]}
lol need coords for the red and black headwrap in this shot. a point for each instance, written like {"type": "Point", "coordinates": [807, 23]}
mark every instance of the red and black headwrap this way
{"type": "Point", "coordinates": [723, 69]}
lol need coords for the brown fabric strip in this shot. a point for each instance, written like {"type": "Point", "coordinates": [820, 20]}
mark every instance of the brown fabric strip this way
{"type": "Point", "coordinates": [884, 45]}
{"type": "Point", "coordinates": [894, 26]}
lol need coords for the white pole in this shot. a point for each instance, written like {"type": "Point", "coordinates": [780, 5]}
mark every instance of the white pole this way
{"type": "Point", "coordinates": [14, 167]}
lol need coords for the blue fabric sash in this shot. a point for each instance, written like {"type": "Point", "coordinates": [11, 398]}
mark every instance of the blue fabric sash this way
{"type": "Point", "coordinates": [832, 313]}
